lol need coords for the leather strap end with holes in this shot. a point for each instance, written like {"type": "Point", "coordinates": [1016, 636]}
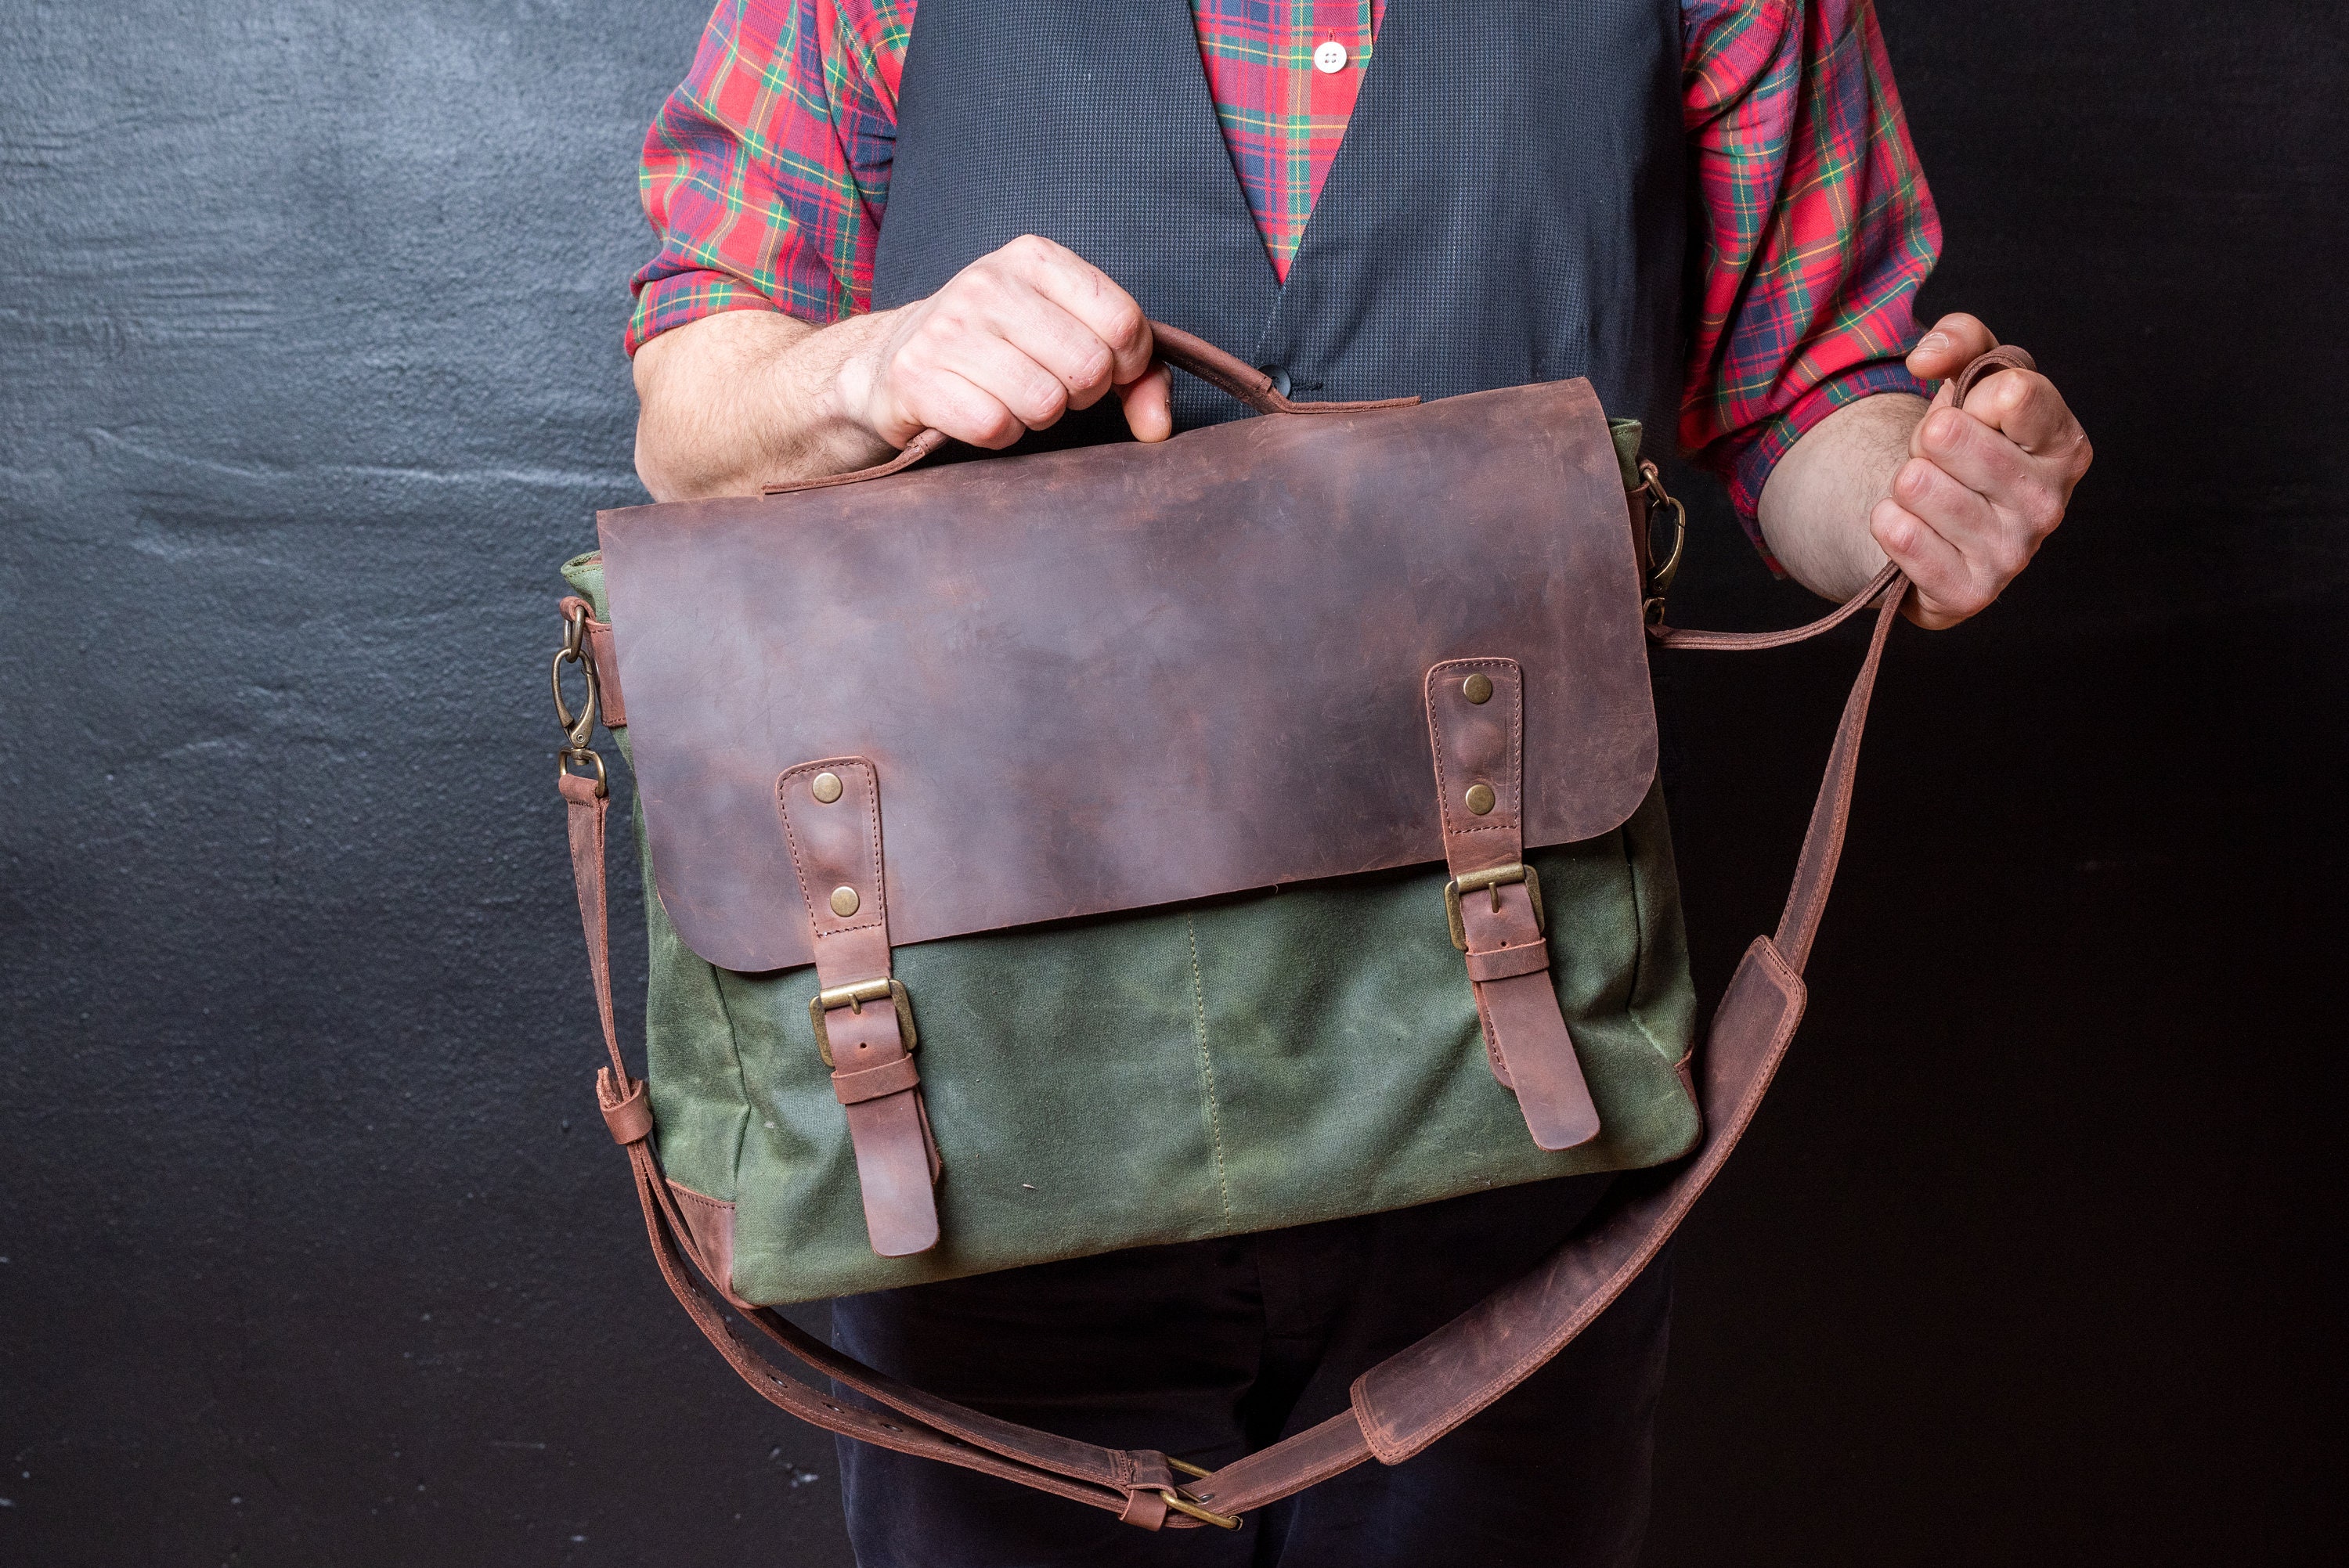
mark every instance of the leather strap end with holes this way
{"type": "Point", "coordinates": [831, 813]}
{"type": "Point", "coordinates": [1476, 724]}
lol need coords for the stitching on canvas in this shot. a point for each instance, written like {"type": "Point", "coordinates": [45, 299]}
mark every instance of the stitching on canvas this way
{"type": "Point", "coordinates": [1207, 1068]}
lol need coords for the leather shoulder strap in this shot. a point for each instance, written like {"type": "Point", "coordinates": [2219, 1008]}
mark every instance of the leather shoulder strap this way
{"type": "Point", "coordinates": [1413, 1398]}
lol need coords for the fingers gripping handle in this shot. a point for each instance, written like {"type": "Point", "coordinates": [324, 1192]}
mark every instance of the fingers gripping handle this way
{"type": "Point", "coordinates": [2006, 356]}
{"type": "Point", "coordinates": [1183, 350]}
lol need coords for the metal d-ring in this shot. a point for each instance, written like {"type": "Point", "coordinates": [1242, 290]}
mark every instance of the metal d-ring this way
{"type": "Point", "coordinates": [570, 757]}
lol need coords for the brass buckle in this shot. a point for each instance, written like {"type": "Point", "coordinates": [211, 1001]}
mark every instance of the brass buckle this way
{"type": "Point", "coordinates": [1659, 580]}
{"type": "Point", "coordinates": [1180, 1502]}
{"type": "Point", "coordinates": [853, 998]}
{"type": "Point", "coordinates": [1496, 878]}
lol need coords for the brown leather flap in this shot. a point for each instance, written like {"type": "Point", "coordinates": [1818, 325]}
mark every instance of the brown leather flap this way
{"type": "Point", "coordinates": [1125, 676]}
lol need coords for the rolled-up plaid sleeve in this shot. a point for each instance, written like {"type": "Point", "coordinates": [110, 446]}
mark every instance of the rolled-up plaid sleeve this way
{"type": "Point", "coordinates": [1811, 226]}
{"type": "Point", "coordinates": [765, 173]}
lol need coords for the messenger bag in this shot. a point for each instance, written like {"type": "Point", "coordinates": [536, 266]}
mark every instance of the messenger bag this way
{"type": "Point", "coordinates": [916, 705]}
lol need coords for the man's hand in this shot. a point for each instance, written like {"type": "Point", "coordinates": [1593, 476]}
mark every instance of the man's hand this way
{"type": "Point", "coordinates": [751, 398]}
{"type": "Point", "coordinates": [1014, 340]}
{"type": "Point", "coordinates": [1960, 500]}
{"type": "Point", "coordinates": [1984, 485]}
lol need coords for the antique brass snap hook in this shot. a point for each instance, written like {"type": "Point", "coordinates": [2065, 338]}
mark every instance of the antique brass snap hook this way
{"type": "Point", "coordinates": [578, 728]}
{"type": "Point", "coordinates": [1659, 579]}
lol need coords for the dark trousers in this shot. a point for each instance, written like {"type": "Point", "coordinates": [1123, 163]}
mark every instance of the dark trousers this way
{"type": "Point", "coordinates": [1210, 1350]}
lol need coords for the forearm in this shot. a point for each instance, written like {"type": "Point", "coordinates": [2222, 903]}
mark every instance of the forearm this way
{"type": "Point", "coordinates": [748, 397]}
{"type": "Point", "coordinates": [1815, 507]}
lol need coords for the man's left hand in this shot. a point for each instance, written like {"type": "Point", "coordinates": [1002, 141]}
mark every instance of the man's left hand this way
{"type": "Point", "coordinates": [1983, 486]}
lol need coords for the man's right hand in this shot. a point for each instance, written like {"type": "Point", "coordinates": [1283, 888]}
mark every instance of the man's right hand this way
{"type": "Point", "coordinates": [1014, 340]}
{"type": "Point", "coordinates": [749, 398]}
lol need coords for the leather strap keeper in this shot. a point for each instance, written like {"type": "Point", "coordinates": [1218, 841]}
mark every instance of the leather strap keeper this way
{"type": "Point", "coordinates": [1508, 962]}
{"type": "Point", "coordinates": [872, 1083]}
{"type": "Point", "coordinates": [627, 1112]}
{"type": "Point", "coordinates": [1145, 1510]}
{"type": "Point", "coordinates": [831, 813]}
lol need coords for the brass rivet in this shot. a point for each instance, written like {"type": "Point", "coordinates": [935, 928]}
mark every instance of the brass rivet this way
{"type": "Point", "coordinates": [825, 788]}
{"type": "Point", "coordinates": [844, 898]}
{"type": "Point", "coordinates": [1480, 798]}
{"type": "Point", "coordinates": [1477, 687]}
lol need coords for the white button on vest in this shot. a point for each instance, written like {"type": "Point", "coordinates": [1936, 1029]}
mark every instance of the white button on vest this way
{"type": "Point", "coordinates": [1330, 59]}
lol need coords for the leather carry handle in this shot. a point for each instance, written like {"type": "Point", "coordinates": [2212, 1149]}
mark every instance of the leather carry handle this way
{"type": "Point", "coordinates": [1252, 386]}
{"type": "Point", "coordinates": [1184, 350]}
{"type": "Point", "coordinates": [1407, 1402]}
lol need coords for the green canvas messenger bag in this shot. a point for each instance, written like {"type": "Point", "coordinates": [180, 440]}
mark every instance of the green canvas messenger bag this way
{"type": "Point", "coordinates": [1134, 844]}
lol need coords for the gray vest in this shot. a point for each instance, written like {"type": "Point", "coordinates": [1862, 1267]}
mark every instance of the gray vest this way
{"type": "Point", "coordinates": [1507, 205]}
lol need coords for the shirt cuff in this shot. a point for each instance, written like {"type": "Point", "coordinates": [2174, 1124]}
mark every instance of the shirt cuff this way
{"type": "Point", "coordinates": [1753, 458]}
{"type": "Point", "coordinates": [667, 302]}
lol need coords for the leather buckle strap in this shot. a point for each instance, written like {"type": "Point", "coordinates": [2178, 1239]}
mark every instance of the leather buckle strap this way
{"type": "Point", "coordinates": [831, 813]}
{"type": "Point", "coordinates": [1476, 724]}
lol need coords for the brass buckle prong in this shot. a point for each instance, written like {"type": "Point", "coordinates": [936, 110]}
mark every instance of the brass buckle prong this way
{"type": "Point", "coordinates": [1177, 1499]}
{"type": "Point", "coordinates": [853, 997]}
{"type": "Point", "coordinates": [1496, 878]}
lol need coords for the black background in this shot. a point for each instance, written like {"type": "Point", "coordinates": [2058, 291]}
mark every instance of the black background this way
{"type": "Point", "coordinates": [314, 1249]}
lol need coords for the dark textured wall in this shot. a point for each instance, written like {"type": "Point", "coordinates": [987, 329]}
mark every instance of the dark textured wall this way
{"type": "Point", "coordinates": [312, 1250]}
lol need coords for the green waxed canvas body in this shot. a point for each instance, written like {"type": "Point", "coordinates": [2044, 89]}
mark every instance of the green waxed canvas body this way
{"type": "Point", "coordinates": [1221, 1067]}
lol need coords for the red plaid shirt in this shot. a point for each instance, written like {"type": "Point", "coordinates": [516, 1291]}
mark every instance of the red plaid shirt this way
{"type": "Point", "coordinates": [766, 174]}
